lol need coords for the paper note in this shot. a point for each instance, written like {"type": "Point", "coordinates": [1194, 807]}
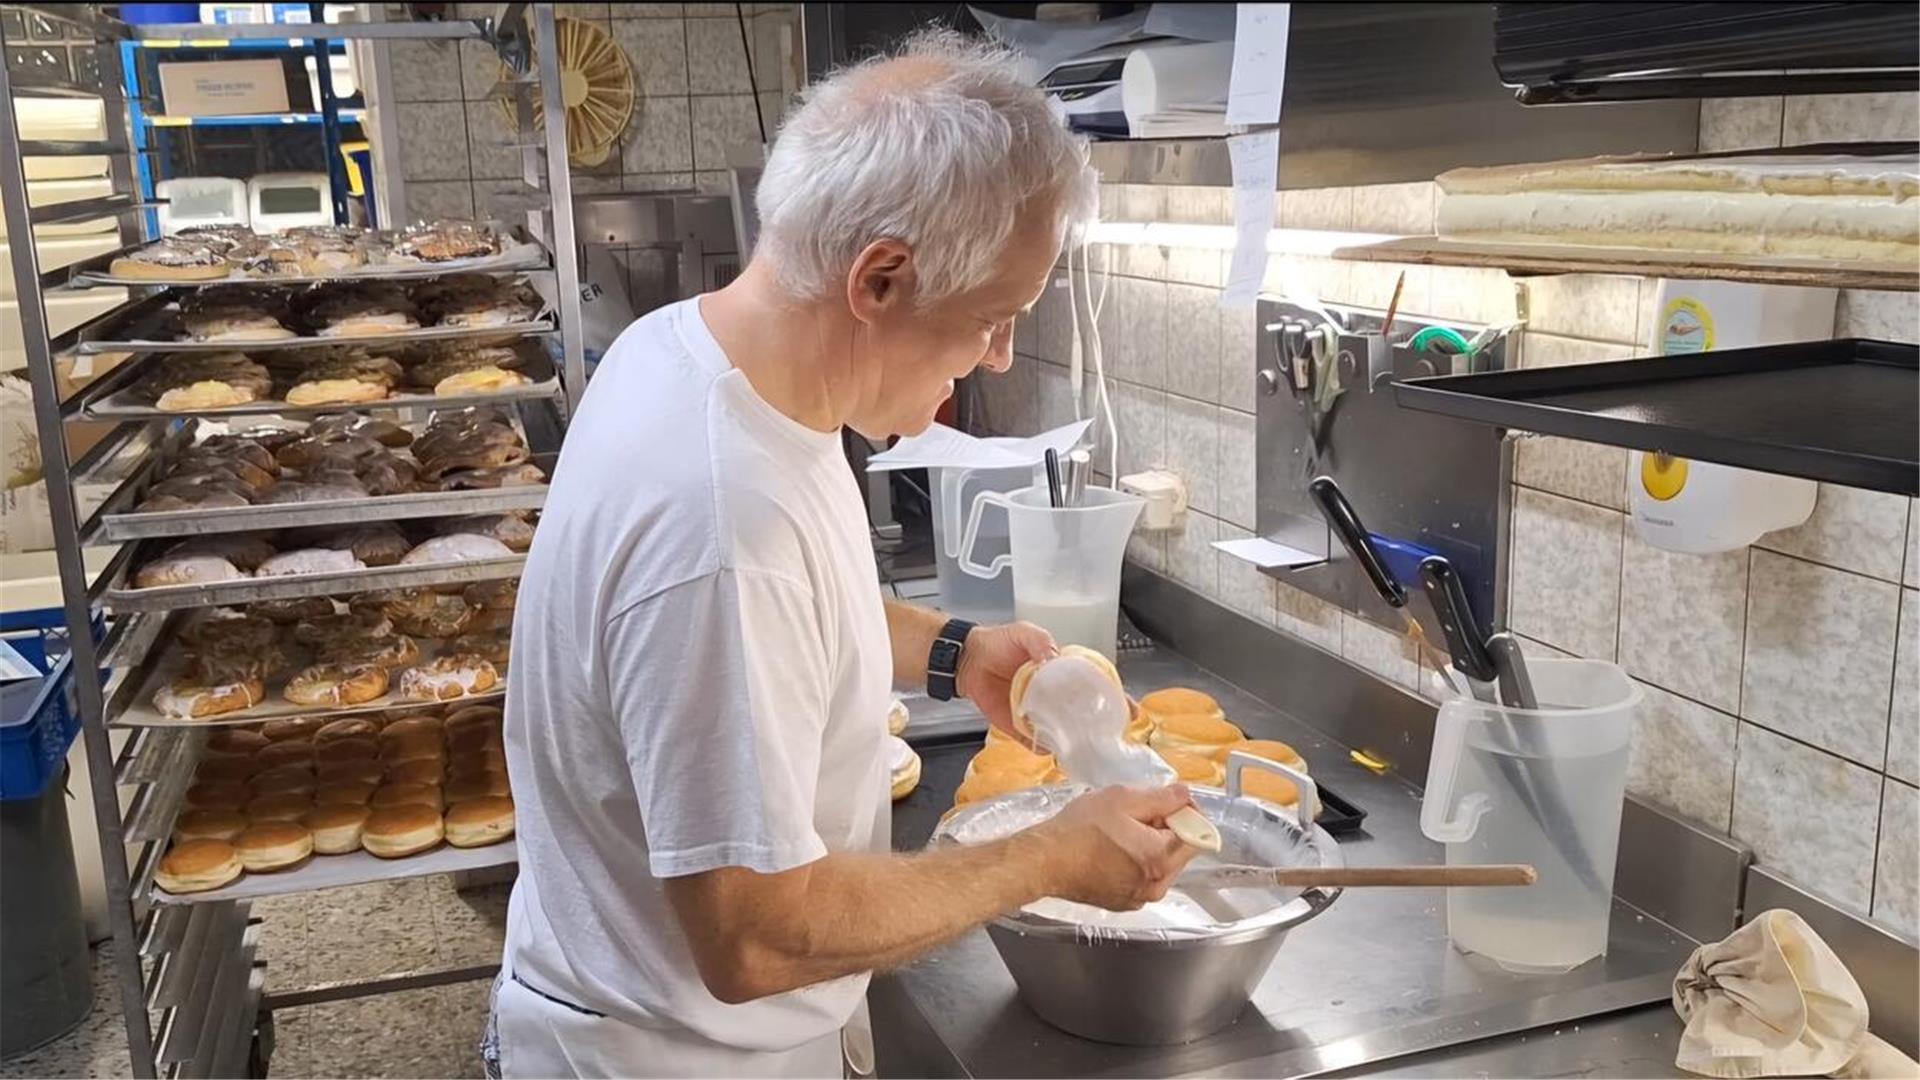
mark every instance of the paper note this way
{"type": "Point", "coordinates": [1256, 171]}
{"type": "Point", "coordinates": [14, 666]}
{"type": "Point", "coordinates": [942, 446]}
{"type": "Point", "coordinates": [1267, 554]}
{"type": "Point", "coordinates": [1259, 63]}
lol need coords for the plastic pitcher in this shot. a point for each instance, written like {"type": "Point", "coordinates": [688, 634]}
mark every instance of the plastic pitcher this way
{"type": "Point", "coordinates": [1541, 786]}
{"type": "Point", "coordinates": [1066, 561]}
{"type": "Point", "coordinates": [982, 599]}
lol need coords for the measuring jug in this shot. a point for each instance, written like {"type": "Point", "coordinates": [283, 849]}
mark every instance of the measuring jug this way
{"type": "Point", "coordinates": [981, 599]}
{"type": "Point", "coordinates": [1541, 786]}
{"type": "Point", "coordinates": [1066, 561]}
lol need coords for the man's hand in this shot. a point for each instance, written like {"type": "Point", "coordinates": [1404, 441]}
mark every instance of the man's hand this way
{"type": "Point", "coordinates": [1111, 848]}
{"type": "Point", "coordinates": [987, 664]}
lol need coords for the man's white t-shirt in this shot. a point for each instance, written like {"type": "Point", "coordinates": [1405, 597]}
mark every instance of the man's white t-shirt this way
{"type": "Point", "coordinates": [700, 679]}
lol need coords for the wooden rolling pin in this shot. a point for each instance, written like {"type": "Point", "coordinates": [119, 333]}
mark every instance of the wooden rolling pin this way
{"type": "Point", "coordinates": [1353, 877]}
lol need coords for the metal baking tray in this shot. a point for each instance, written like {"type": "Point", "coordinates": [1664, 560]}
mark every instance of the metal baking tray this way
{"type": "Point", "coordinates": [166, 662]}
{"type": "Point", "coordinates": [118, 522]}
{"type": "Point", "coordinates": [123, 400]}
{"type": "Point", "coordinates": [524, 253]}
{"type": "Point", "coordinates": [358, 868]}
{"type": "Point", "coordinates": [1844, 411]}
{"type": "Point", "coordinates": [120, 595]}
{"type": "Point", "coordinates": [540, 324]}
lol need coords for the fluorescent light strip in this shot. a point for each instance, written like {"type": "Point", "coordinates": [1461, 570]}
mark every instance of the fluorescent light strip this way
{"type": "Point", "coordinates": [1318, 242]}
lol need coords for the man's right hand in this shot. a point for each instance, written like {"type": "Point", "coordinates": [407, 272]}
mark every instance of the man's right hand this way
{"type": "Point", "coordinates": [1111, 848]}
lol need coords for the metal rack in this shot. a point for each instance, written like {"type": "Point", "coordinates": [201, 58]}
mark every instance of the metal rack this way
{"type": "Point", "coordinates": [190, 986]}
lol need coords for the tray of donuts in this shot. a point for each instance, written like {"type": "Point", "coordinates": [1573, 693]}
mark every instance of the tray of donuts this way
{"type": "Point", "coordinates": [318, 656]}
{"type": "Point", "coordinates": [253, 319]}
{"type": "Point", "coordinates": [298, 804]}
{"type": "Point", "coordinates": [214, 254]}
{"type": "Point", "coordinates": [344, 467]}
{"type": "Point", "coordinates": [328, 377]}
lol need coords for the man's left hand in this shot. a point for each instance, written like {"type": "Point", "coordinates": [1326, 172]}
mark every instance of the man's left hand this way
{"type": "Point", "coordinates": [987, 664]}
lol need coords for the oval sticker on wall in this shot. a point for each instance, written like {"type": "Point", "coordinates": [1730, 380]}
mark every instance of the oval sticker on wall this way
{"type": "Point", "coordinates": [1686, 326]}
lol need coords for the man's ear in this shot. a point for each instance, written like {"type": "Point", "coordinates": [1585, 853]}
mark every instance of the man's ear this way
{"type": "Point", "coordinates": [880, 280]}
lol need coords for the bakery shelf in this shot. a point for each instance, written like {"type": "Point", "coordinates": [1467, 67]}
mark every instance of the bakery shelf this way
{"type": "Point", "coordinates": [359, 868]}
{"type": "Point", "coordinates": [1845, 412]}
{"type": "Point", "coordinates": [1644, 262]}
{"type": "Point", "coordinates": [123, 400]}
{"type": "Point", "coordinates": [137, 709]}
{"type": "Point", "coordinates": [121, 596]}
{"type": "Point", "coordinates": [119, 527]}
{"type": "Point", "coordinates": [526, 254]}
{"type": "Point", "coordinates": [542, 324]}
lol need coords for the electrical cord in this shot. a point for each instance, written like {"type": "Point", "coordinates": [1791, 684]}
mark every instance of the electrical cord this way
{"type": "Point", "coordinates": [753, 82]}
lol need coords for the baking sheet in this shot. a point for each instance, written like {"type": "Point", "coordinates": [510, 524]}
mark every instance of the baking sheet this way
{"type": "Point", "coordinates": [129, 402]}
{"type": "Point", "coordinates": [522, 254]}
{"type": "Point", "coordinates": [122, 596]}
{"type": "Point", "coordinates": [358, 868]}
{"type": "Point", "coordinates": [141, 713]}
{"type": "Point", "coordinates": [479, 335]}
{"type": "Point", "coordinates": [414, 504]}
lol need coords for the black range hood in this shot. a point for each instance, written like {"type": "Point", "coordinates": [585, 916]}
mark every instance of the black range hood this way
{"type": "Point", "coordinates": [1567, 53]}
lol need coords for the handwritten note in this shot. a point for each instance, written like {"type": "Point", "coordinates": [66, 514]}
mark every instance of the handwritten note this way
{"type": "Point", "coordinates": [1256, 171]}
{"type": "Point", "coordinates": [1266, 554]}
{"type": "Point", "coordinates": [1259, 63]}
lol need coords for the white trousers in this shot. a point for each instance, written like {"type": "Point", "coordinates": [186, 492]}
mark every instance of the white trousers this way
{"type": "Point", "coordinates": [543, 1038]}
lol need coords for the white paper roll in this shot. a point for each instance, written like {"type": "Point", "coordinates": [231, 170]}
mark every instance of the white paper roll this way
{"type": "Point", "coordinates": [1161, 81]}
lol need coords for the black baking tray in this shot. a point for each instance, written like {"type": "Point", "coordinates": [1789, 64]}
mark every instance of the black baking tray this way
{"type": "Point", "coordinates": [943, 764]}
{"type": "Point", "coordinates": [1845, 411]}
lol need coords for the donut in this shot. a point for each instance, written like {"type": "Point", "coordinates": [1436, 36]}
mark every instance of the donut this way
{"type": "Point", "coordinates": [360, 748]}
{"type": "Point", "coordinates": [226, 768]}
{"type": "Point", "coordinates": [336, 827]}
{"type": "Point", "coordinates": [353, 727]}
{"type": "Point", "coordinates": [285, 752]}
{"type": "Point", "coordinates": [416, 771]}
{"type": "Point", "coordinates": [409, 726]}
{"type": "Point", "coordinates": [289, 806]}
{"type": "Point", "coordinates": [234, 742]}
{"type": "Point", "coordinates": [405, 795]}
{"type": "Point", "coordinates": [1017, 689]}
{"type": "Point", "coordinates": [478, 822]}
{"type": "Point", "coordinates": [396, 831]}
{"type": "Point", "coordinates": [209, 825]}
{"type": "Point", "coordinates": [469, 739]}
{"type": "Point", "coordinates": [292, 727]}
{"type": "Point", "coordinates": [343, 772]}
{"type": "Point", "coordinates": [217, 795]}
{"type": "Point", "coordinates": [274, 845]}
{"type": "Point", "coordinates": [192, 699]}
{"type": "Point", "coordinates": [198, 866]}
{"type": "Point", "coordinates": [447, 677]}
{"type": "Point", "coordinates": [336, 686]}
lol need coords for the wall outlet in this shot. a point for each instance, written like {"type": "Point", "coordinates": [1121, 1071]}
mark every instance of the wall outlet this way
{"type": "Point", "coordinates": [1166, 496]}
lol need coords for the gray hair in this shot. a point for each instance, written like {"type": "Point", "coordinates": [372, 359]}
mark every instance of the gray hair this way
{"type": "Point", "coordinates": [937, 145]}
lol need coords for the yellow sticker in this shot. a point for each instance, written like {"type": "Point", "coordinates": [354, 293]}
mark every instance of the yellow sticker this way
{"type": "Point", "coordinates": [1686, 326]}
{"type": "Point", "coordinates": [1663, 476]}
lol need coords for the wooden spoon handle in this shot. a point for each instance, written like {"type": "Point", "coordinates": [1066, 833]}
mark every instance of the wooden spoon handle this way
{"type": "Point", "coordinates": [1348, 877]}
{"type": "Point", "coordinates": [1192, 827]}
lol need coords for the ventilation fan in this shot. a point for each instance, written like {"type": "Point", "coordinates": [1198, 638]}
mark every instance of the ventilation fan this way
{"type": "Point", "coordinates": [596, 84]}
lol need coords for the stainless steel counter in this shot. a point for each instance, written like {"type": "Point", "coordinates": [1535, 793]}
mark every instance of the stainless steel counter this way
{"type": "Point", "coordinates": [1354, 992]}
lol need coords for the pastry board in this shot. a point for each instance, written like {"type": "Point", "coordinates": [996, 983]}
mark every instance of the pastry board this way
{"type": "Point", "coordinates": [1519, 258]}
{"type": "Point", "coordinates": [127, 401]}
{"type": "Point", "coordinates": [518, 254]}
{"type": "Point", "coordinates": [479, 335]}
{"type": "Point", "coordinates": [170, 659]}
{"type": "Point", "coordinates": [122, 596]}
{"type": "Point", "coordinates": [356, 868]}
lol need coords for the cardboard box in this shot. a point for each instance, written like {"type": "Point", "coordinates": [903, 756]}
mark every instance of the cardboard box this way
{"type": "Point", "coordinates": [223, 87]}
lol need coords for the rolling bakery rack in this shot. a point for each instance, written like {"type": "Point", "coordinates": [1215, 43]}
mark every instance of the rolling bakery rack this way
{"type": "Point", "coordinates": [191, 991]}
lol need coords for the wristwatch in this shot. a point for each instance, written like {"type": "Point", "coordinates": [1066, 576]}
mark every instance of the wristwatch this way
{"type": "Point", "coordinates": [943, 660]}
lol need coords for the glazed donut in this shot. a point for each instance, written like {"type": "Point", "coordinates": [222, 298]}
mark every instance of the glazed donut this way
{"type": "Point", "coordinates": [190, 699]}
{"type": "Point", "coordinates": [287, 611]}
{"type": "Point", "coordinates": [285, 752]}
{"type": "Point", "coordinates": [352, 626]}
{"type": "Point", "coordinates": [503, 593]}
{"type": "Point", "coordinates": [495, 647]}
{"type": "Point", "coordinates": [1017, 690]}
{"type": "Point", "coordinates": [447, 677]}
{"type": "Point", "coordinates": [336, 686]}
{"type": "Point", "coordinates": [390, 653]}
{"type": "Point", "coordinates": [235, 742]}
{"type": "Point", "coordinates": [292, 727]}
{"type": "Point", "coordinates": [225, 629]}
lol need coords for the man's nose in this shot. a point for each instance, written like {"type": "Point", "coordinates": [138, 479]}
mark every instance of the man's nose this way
{"type": "Point", "coordinates": [1000, 350]}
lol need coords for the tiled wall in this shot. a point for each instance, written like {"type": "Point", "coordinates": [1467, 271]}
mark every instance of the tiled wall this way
{"type": "Point", "coordinates": [696, 102]}
{"type": "Point", "coordinates": [1783, 700]}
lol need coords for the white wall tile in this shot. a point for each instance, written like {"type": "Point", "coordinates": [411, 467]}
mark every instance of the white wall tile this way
{"type": "Point", "coordinates": [1586, 471]}
{"type": "Point", "coordinates": [1807, 814]}
{"type": "Point", "coordinates": [716, 57]}
{"type": "Point", "coordinates": [1599, 307]}
{"type": "Point", "coordinates": [1551, 350]}
{"type": "Point", "coordinates": [1903, 734]}
{"type": "Point", "coordinates": [1242, 586]}
{"type": "Point", "coordinates": [1818, 118]}
{"type": "Point", "coordinates": [428, 200]}
{"type": "Point", "coordinates": [1148, 261]}
{"type": "Point", "coordinates": [1193, 450]}
{"type": "Point", "coordinates": [658, 50]}
{"type": "Point", "coordinates": [660, 138]}
{"type": "Point", "coordinates": [1888, 316]}
{"type": "Point", "coordinates": [1306, 275]}
{"type": "Point", "coordinates": [1819, 661]}
{"type": "Point", "coordinates": [1141, 202]}
{"type": "Point", "coordinates": [1400, 209]}
{"type": "Point", "coordinates": [1055, 398]}
{"type": "Point", "coordinates": [1380, 651]}
{"type": "Point", "coordinates": [433, 141]}
{"type": "Point", "coordinates": [1565, 576]}
{"type": "Point", "coordinates": [1238, 350]}
{"type": "Point", "coordinates": [488, 134]}
{"type": "Point", "coordinates": [1193, 342]}
{"type": "Point", "coordinates": [1649, 315]}
{"type": "Point", "coordinates": [1141, 415]}
{"type": "Point", "coordinates": [1310, 618]}
{"type": "Point", "coordinates": [425, 70]}
{"type": "Point", "coordinates": [1683, 756]}
{"type": "Point", "coordinates": [1198, 205]}
{"type": "Point", "coordinates": [1317, 208]}
{"type": "Point", "coordinates": [1851, 528]}
{"type": "Point", "coordinates": [1896, 879]}
{"type": "Point", "coordinates": [1026, 330]}
{"type": "Point", "coordinates": [1053, 316]}
{"type": "Point", "coordinates": [661, 181]}
{"type": "Point", "coordinates": [1742, 123]}
{"type": "Point", "coordinates": [1148, 549]}
{"type": "Point", "coordinates": [1481, 296]}
{"type": "Point", "coordinates": [722, 124]}
{"type": "Point", "coordinates": [1911, 575]}
{"type": "Point", "coordinates": [1134, 336]}
{"type": "Point", "coordinates": [1370, 284]}
{"type": "Point", "coordinates": [1195, 266]}
{"type": "Point", "coordinates": [1191, 558]}
{"type": "Point", "coordinates": [1683, 621]}
{"type": "Point", "coordinates": [479, 69]}
{"type": "Point", "coordinates": [1238, 464]}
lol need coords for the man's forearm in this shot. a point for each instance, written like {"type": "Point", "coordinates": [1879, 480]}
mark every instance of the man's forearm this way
{"type": "Point", "coordinates": [911, 629]}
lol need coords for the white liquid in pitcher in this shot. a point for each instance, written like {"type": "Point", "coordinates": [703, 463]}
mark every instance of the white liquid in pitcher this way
{"type": "Point", "coordinates": [1092, 621]}
{"type": "Point", "coordinates": [1561, 921]}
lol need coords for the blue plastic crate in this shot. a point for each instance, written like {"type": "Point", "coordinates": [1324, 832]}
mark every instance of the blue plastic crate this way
{"type": "Point", "coordinates": [39, 635]}
{"type": "Point", "coordinates": [38, 721]}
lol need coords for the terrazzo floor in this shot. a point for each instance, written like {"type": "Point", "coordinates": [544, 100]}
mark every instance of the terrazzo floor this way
{"type": "Point", "coordinates": [362, 932]}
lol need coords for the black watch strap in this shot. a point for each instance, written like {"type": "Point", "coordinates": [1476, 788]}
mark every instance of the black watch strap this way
{"type": "Point", "coordinates": [943, 660]}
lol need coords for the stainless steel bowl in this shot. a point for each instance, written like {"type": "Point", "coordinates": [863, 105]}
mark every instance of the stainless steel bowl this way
{"type": "Point", "coordinates": [1151, 986]}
